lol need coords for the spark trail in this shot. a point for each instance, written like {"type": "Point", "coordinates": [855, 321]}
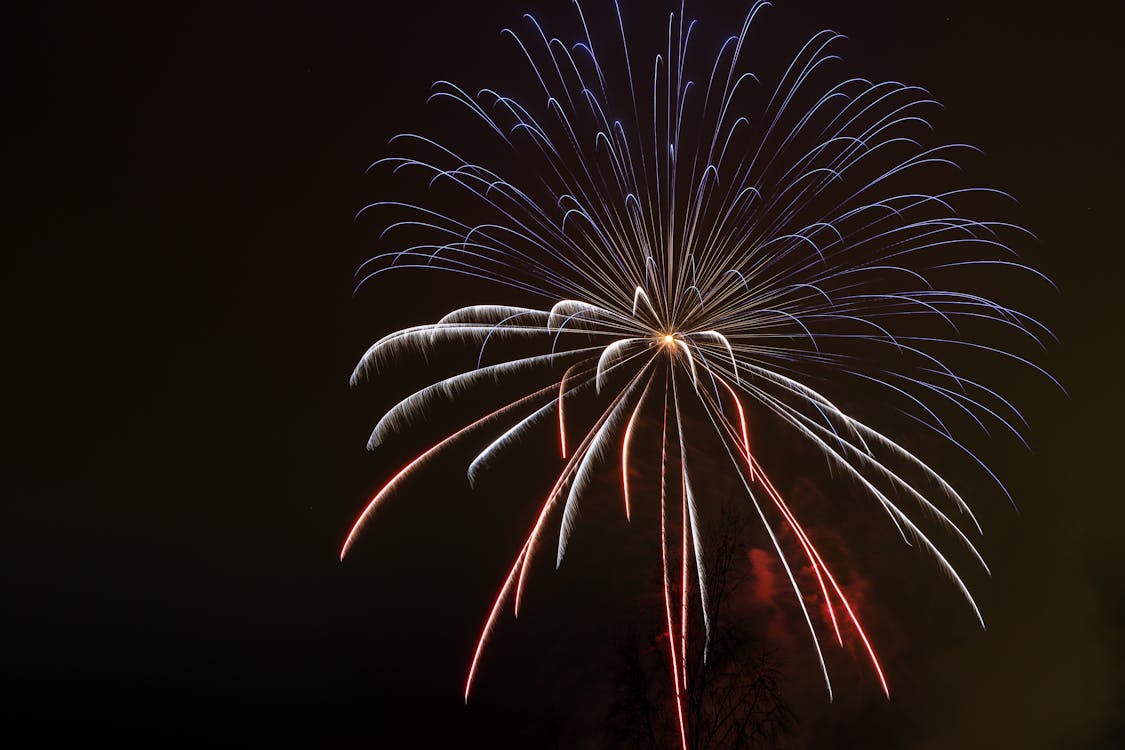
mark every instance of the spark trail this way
{"type": "Point", "coordinates": [709, 240]}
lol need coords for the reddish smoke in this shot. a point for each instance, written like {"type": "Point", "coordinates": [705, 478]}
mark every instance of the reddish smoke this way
{"type": "Point", "coordinates": [767, 589]}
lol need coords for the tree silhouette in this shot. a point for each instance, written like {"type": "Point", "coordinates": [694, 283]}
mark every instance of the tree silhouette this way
{"type": "Point", "coordinates": [733, 697]}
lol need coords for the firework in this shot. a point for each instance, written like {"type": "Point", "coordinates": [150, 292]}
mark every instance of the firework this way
{"type": "Point", "coordinates": [712, 240]}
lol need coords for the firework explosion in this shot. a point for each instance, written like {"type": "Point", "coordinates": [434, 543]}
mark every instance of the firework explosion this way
{"type": "Point", "coordinates": [733, 245]}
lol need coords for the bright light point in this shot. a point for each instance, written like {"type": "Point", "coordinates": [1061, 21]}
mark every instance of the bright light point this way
{"type": "Point", "coordinates": [668, 339]}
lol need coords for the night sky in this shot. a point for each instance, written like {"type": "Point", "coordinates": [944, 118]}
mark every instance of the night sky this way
{"type": "Point", "coordinates": [184, 455]}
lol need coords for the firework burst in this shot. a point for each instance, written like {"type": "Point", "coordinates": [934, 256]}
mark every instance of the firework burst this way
{"type": "Point", "coordinates": [737, 245]}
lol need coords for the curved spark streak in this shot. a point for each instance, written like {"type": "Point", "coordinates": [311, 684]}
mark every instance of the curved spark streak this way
{"type": "Point", "coordinates": [405, 471]}
{"type": "Point", "coordinates": [676, 682]}
{"type": "Point", "coordinates": [691, 521]}
{"type": "Point", "coordinates": [805, 543]}
{"type": "Point", "coordinates": [835, 586]}
{"type": "Point", "coordinates": [799, 243]}
{"type": "Point", "coordinates": [562, 413]}
{"type": "Point", "coordinates": [596, 442]}
{"type": "Point", "coordinates": [625, 453]}
{"type": "Point", "coordinates": [817, 563]}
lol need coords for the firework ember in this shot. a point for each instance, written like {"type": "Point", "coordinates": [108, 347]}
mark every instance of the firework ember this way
{"type": "Point", "coordinates": [713, 245]}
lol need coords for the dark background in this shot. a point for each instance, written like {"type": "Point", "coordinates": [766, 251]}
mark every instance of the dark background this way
{"type": "Point", "coordinates": [183, 454]}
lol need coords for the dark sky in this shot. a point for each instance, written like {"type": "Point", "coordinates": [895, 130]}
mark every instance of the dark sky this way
{"type": "Point", "coordinates": [183, 453]}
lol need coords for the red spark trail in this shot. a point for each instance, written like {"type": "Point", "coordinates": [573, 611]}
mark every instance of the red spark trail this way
{"type": "Point", "coordinates": [520, 565]}
{"type": "Point", "coordinates": [625, 453]}
{"type": "Point", "coordinates": [839, 592]}
{"type": "Point", "coordinates": [792, 520]}
{"type": "Point", "coordinates": [562, 416]}
{"type": "Point", "coordinates": [429, 452]}
{"type": "Point", "coordinates": [815, 558]}
{"type": "Point", "coordinates": [683, 575]}
{"type": "Point", "coordinates": [493, 613]}
{"type": "Point", "coordinates": [664, 565]}
{"type": "Point", "coordinates": [564, 476]}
